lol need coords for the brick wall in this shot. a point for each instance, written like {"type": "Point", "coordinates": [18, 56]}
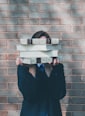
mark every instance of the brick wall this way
{"type": "Point", "coordinates": [64, 19]}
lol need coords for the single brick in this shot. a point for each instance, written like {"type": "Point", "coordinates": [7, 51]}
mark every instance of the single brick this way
{"type": "Point", "coordinates": [3, 1]}
{"type": "Point", "coordinates": [39, 1]}
{"type": "Point", "coordinates": [11, 56]}
{"type": "Point", "coordinates": [49, 21]}
{"type": "Point", "coordinates": [78, 113]}
{"type": "Point", "coordinates": [72, 79]}
{"type": "Point", "coordinates": [23, 21]}
{"type": "Point", "coordinates": [3, 113]}
{"type": "Point", "coordinates": [12, 71]}
{"type": "Point", "coordinates": [3, 85]}
{"type": "Point", "coordinates": [76, 100]}
{"type": "Point", "coordinates": [78, 71]}
{"type": "Point", "coordinates": [39, 41]}
{"type": "Point", "coordinates": [78, 43]}
{"type": "Point", "coordinates": [68, 72]}
{"type": "Point", "coordinates": [43, 15]}
{"type": "Point", "coordinates": [77, 29]}
{"type": "Point", "coordinates": [3, 99]}
{"type": "Point", "coordinates": [67, 113]}
{"type": "Point", "coordinates": [72, 65]}
{"type": "Point", "coordinates": [66, 43]}
{"type": "Point", "coordinates": [8, 106]}
{"type": "Point", "coordinates": [7, 7]}
{"type": "Point", "coordinates": [8, 93]}
{"type": "Point", "coordinates": [32, 28]}
{"type": "Point", "coordinates": [65, 50]}
{"type": "Point", "coordinates": [8, 21]}
{"type": "Point", "coordinates": [55, 34]}
{"type": "Point", "coordinates": [76, 92]}
{"type": "Point", "coordinates": [15, 99]}
{"type": "Point", "coordinates": [78, 85]}
{"type": "Point", "coordinates": [78, 57]}
{"type": "Point", "coordinates": [76, 107]}
{"type": "Point", "coordinates": [12, 85]}
{"type": "Point", "coordinates": [9, 78]}
{"type": "Point", "coordinates": [11, 46]}
{"type": "Point", "coordinates": [49, 7]}
{"type": "Point", "coordinates": [66, 57]}
{"type": "Point", "coordinates": [3, 28]}
{"type": "Point", "coordinates": [34, 7]}
{"type": "Point", "coordinates": [17, 1]}
{"type": "Point", "coordinates": [3, 71]}
{"type": "Point", "coordinates": [68, 85]}
{"type": "Point", "coordinates": [10, 63]}
{"type": "Point", "coordinates": [60, 28]}
{"type": "Point", "coordinates": [74, 13]}
{"type": "Point", "coordinates": [13, 112]}
{"type": "Point", "coordinates": [77, 20]}
{"type": "Point", "coordinates": [78, 50]}
{"type": "Point", "coordinates": [72, 36]}
{"type": "Point", "coordinates": [22, 7]}
{"type": "Point", "coordinates": [34, 21]}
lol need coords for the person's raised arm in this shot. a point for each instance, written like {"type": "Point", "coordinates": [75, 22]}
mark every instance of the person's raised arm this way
{"type": "Point", "coordinates": [26, 83]}
{"type": "Point", "coordinates": [57, 82]}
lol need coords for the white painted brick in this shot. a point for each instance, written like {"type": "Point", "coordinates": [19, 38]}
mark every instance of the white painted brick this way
{"type": "Point", "coordinates": [34, 60]}
{"type": "Point", "coordinates": [38, 41]}
{"type": "Point", "coordinates": [46, 60]}
{"type": "Point", "coordinates": [29, 60]}
{"type": "Point", "coordinates": [54, 41]}
{"type": "Point", "coordinates": [39, 54]}
{"type": "Point", "coordinates": [43, 60]}
{"type": "Point", "coordinates": [24, 41]}
{"type": "Point", "coordinates": [36, 47]}
{"type": "Point", "coordinates": [49, 59]}
{"type": "Point", "coordinates": [26, 61]}
{"type": "Point", "coordinates": [14, 113]}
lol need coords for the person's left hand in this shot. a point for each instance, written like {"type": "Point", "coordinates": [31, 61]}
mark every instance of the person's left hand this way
{"type": "Point", "coordinates": [54, 62]}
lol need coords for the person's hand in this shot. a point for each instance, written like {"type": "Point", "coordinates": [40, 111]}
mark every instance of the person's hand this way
{"type": "Point", "coordinates": [55, 61]}
{"type": "Point", "coordinates": [18, 61]}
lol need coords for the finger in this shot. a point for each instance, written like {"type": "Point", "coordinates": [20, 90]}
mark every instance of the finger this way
{"type": "Point", "coordinates": [49, 62]}
{"type": "Point", "coordinates": [54, 61]}
{"type": "Point", "coordinates": [18, 61]}
{"type": "Point", "coordinates": [58, 60]}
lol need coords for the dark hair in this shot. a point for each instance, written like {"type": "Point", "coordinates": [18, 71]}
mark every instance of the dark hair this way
{"type": "Point", "coordinates": [40, 34]}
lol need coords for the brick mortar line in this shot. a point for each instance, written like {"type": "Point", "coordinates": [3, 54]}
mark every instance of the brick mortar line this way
{"type": "Point", "coordinates": [40, 25]}
{"type": "Point", "coordinates": [72, 104]}
{"type": "Point", "coordinates": [75, 90]}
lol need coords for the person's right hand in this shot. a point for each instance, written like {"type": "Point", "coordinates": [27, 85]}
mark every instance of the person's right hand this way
{"type": "Point", "coordinates": [32, 68]}
{"type": "Point", "coordinates": [18, 61]}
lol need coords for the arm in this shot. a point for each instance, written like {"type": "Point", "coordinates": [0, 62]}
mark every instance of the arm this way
{"type": "Point", "coordinates": [62, 84]}
{"type": "Point", "coordinates": [57, 82]}
{"type": "Point", "coordinates": [26, 83]}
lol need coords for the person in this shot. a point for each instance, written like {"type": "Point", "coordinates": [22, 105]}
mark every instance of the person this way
{"type": "Point", "coordinates": [41, 90]}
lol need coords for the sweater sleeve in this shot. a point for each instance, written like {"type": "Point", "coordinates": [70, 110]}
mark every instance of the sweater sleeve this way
{"type": "Point", "coordinates": [57, 82]}
{"type": "Point", "coordinates": [62, 85]}
{"type": "Point", "coordinates": [26, 83]}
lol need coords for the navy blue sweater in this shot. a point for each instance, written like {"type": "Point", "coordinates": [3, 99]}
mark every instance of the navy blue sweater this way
{"type": "Point", "coordinates": [41, 94]}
